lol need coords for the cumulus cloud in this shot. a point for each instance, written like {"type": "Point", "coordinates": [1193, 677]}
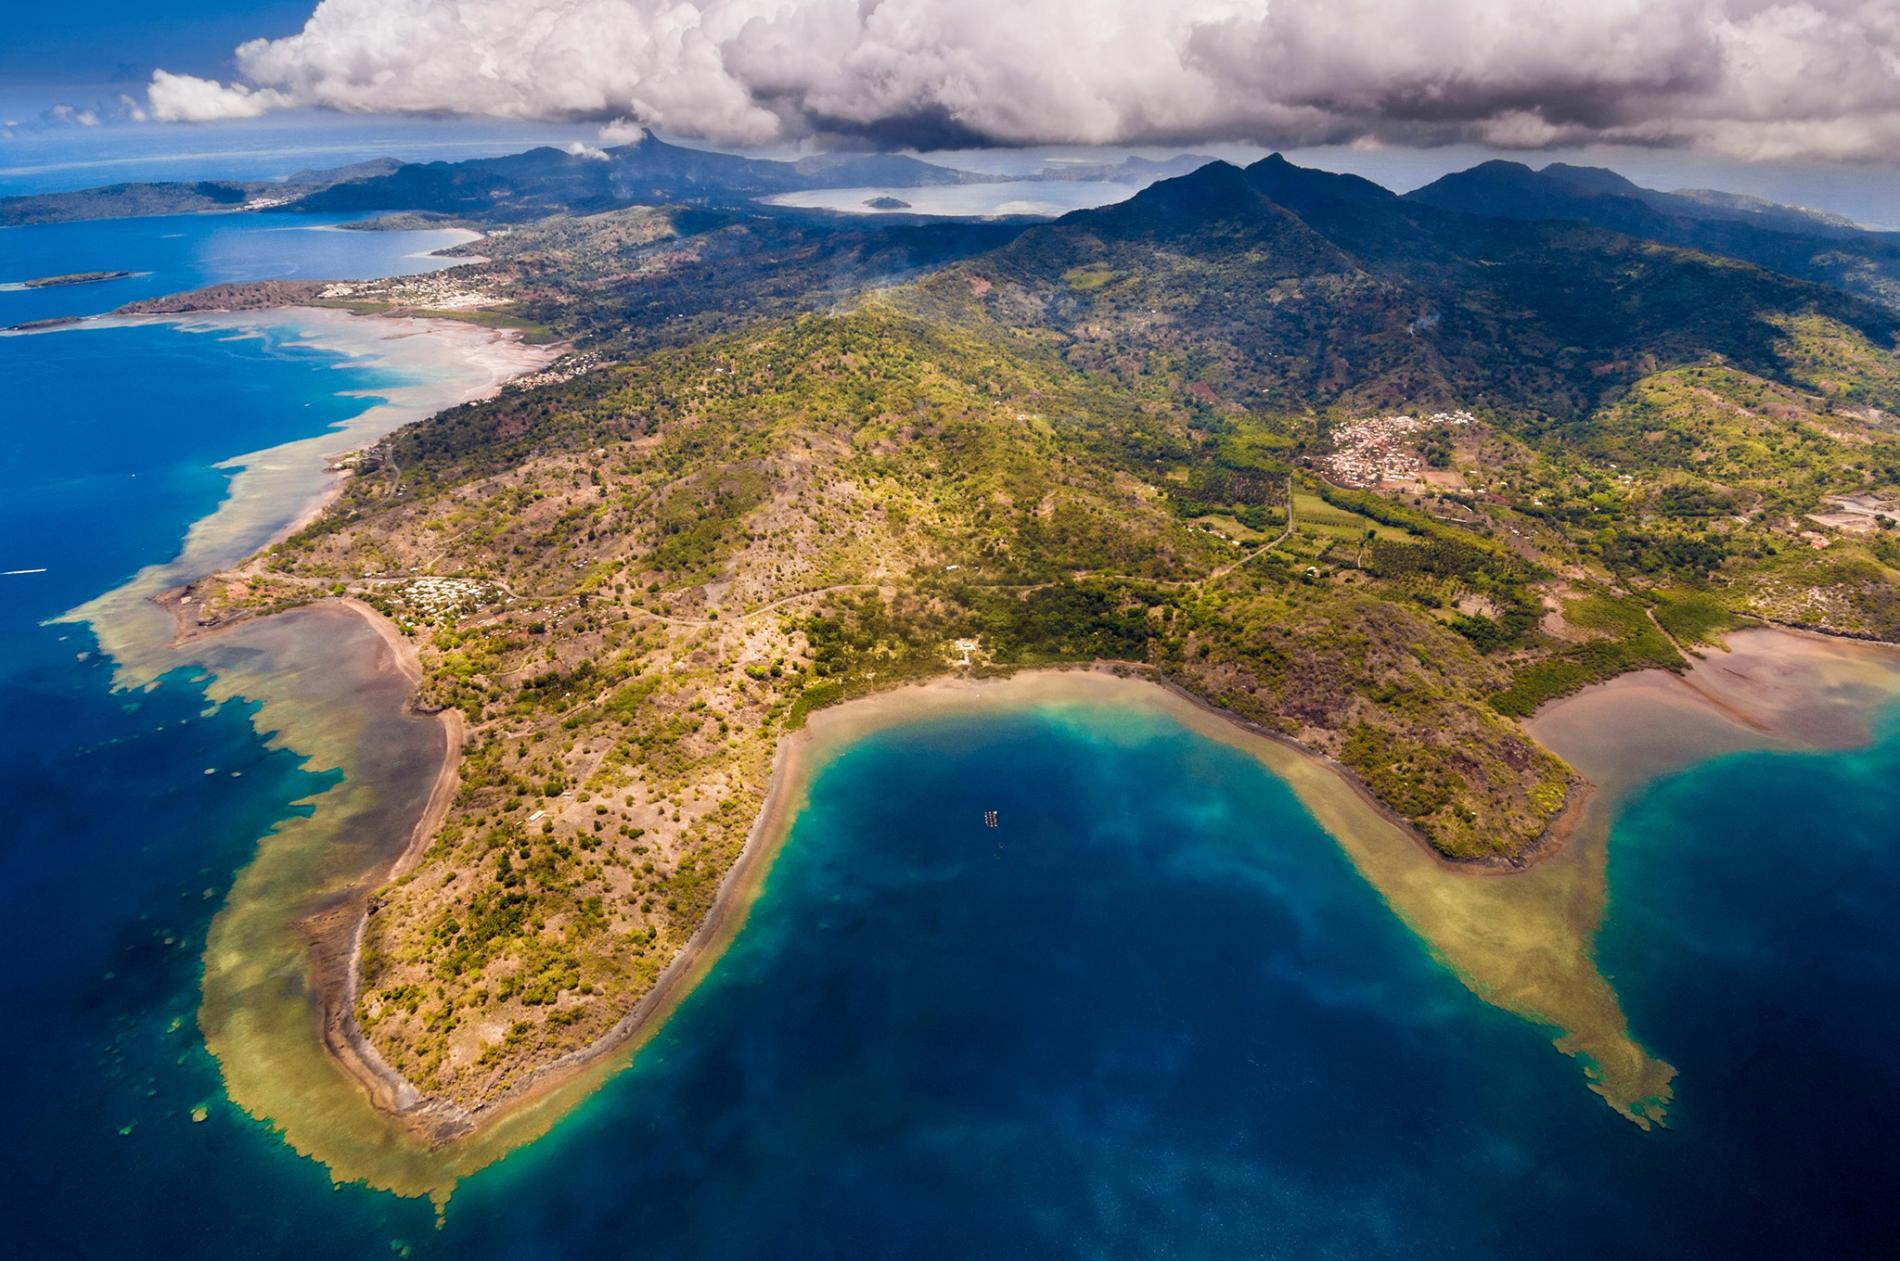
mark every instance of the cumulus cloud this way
{"type": "Point", "coordinates": [621, 131]}
{"type": "Point", "coordinates": [1748, 77]}
{"type": "Point", "coordinates": [185, 98]}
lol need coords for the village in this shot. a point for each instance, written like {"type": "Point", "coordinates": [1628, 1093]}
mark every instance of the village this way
{"type": "Point", "coordinates": [433, 599]}
{"type": "Point", "coordinates": [1378, 451]}
{"type": "Point", "coordinates": [566, 368]}
{"type": "Point", "coordinates": [435, 291]}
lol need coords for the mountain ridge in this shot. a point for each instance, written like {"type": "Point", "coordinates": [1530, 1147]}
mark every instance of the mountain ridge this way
{"type": "Point", "coordinates": [1329, 290]}
{"type": "Point", "coordinates": [1785, 239]}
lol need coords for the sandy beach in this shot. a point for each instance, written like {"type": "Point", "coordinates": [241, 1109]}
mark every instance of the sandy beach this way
{"type": "Point", "coordinates": [1765, 687]}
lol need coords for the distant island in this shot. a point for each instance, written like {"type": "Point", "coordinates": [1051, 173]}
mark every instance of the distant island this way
{"type": "Point", "coordinates": [887, 203]}
{"type": "Point", "coordinates": [75, 278]}
{"type": "Point", "coordinates": [41, 326]}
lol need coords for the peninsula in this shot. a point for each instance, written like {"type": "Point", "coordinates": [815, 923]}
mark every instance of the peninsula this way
{"type": "Point", "coordinates": [1258, 435]}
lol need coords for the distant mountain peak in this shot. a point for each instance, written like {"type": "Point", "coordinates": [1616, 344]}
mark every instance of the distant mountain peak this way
{"type": "Point", "coordinates": [1512, 190]}
{"type": "Point", "coordinates": [1209, 191]}
{"type": "Point", "coordinates": [1802, 243]}
{"type": "Point", "coordinates": [1217, 193]}
{"type": "Point", "coordinates": [1215, 171]}
{"type": "Point", "coordinates": [1497, 166]}
{"type": "Point", "coordinates": [1593, 179]}
{"type": "Point", "coordinates": [1307, 190]}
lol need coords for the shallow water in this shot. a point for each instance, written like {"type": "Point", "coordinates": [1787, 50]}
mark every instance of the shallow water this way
{"type": "Point", "coordinates": [129, 812]}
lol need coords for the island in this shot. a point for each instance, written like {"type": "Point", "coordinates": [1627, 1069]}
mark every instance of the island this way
{"type": "Point", "coordinates": [76, 278]}
{"type": "Point", "coordinates": [886, 203]}
{"type": "Point", "coordinates": [1253, 444]}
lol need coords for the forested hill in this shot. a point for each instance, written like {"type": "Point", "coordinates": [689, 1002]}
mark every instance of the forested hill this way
{"type": "Point", "coordinates": [1798, 242]}
{"type": "Point", "coordinates": [1297, 289]}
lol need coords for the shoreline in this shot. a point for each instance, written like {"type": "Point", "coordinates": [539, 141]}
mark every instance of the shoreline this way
{"type": "Point", "coordinates": [388, 1090]}
{"type": "Point", "coordinates": [1764, 688]}
{"type": "Point", "coordinates": [1550, 841]}
{"type": "Point", "coordinates": [1524, 944]}
{"type": "Point", "coordinates": [273, 492]}
{"type": "Point", "coordinates": [801, 754]}
{"type": "Point", "coordinates": [144, 625]}
{"type": "Point", "coordinates": [1429, 892]}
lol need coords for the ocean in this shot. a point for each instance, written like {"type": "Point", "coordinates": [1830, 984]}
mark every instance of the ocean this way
{"type": "Point", "coordinates": [1155, 1013]}
{"type": "Point", "coordinates": [129, 812]}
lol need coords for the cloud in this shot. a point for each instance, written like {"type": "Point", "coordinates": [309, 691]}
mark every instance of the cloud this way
{"type": "Point", "coordinates": [1755, 78]}
{"type": "Point", "coordinates": [74, 115]}
{"type": "Point", "coordinates": [622, 131]}
{"type": "Point", "coordinates": [184, 98]}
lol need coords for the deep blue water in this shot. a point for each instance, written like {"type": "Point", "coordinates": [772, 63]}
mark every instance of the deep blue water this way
{"type": "Point", "coordinates": [1155, 1014]}
{"type": "Point", "coordinates": [1158, 1014]}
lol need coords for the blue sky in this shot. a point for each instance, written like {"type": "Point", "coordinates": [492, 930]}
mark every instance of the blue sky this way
{"type": "Point", "coordinates": [48, 59]}
{"type": "Point", "coordinates": [124, 40]}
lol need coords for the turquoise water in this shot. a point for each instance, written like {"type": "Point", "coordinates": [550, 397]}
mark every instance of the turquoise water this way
{"type": "Point", "coordinates": [1155, 1014]}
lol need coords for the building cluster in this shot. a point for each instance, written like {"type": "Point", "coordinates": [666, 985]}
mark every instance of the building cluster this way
{"type": "Point", "coordinates": [437, 597]}
{"type": "Point", "coordinates": [566, 368]}
{"type": "Point", "coordinates": [1378, 449]}
{"type": "Point", "coordinates": [434, 291]}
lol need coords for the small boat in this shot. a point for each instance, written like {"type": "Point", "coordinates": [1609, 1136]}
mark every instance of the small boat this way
{"type": "Point", "coordinates": [989, 818]}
